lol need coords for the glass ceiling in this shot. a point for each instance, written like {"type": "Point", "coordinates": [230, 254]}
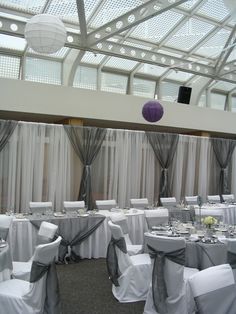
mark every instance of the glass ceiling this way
{"type": "Point", "coordinates": [173, 39]}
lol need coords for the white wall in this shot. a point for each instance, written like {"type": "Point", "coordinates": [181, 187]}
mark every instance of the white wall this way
{"type": "Point", "coordinates": [29, 97]}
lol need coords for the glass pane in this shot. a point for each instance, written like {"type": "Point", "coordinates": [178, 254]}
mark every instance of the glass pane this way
{"type": "Point", "coordinates": [169, 91]}
{"type": "Point", "coordinates": [151, 69]}
{"type": "Point", "coordinates": [214, 9]}
{"type": "Point", "coordinates": [33, 6]}
{"type": "Point", "coordinates": [85, 77]}
{"type": "Point", "coordinates": [9, 67]}
{"type": "Point", "coordinates": [217, 101]}
{"type": "Point", "coordinates": [114, 83]}
{"type": "Point", "coordinates": [120, 63]}
{"type": "Point", "coordinates": [43, 71]}
{"type": "Point", "coordinates": [202, 100]}
{"type": "Point", "coordinates": [10, 42]}
{"type": "Point", "coordinates": [144, 88]}
{"type": "Point", "coordinates": [233, 104]}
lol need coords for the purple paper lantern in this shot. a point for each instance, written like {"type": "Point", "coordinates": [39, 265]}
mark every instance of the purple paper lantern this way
{"type": "Point", "coordinates": [152, 111]}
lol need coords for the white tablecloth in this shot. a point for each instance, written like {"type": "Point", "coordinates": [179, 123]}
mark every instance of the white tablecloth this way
{"type": "Point", "coordinates": [23, 235]}
{"type": "Point", "coordinates": [228, 212]}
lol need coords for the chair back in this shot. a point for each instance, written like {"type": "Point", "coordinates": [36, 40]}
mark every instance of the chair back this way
{"type": "Point", "coordinates": [214, 290]}
{"type": "Point", "coordinates": [45, 253]}
{"type": "Point", "coordinates": [228, 198]}
{"type": "Point", "coordinates": [73, 205]}
{"type": "Point", "coordinates": [213, 198]}
{"type": "Point", "coordinates": [168, 201]}
{"type": "Point", "coordinates": [156, 217]}
{"type": "Point", "coordinates": [191, 200]}
{"type": "Point", "coordinates": [124, 260]}
{"type": "Point", "coordinates": [46, 232]}
{"type": "Point", "coordinates": [5, 223]}
{"type": "Point", "coordinates": [121, 220]}
{"type": "Point", "coordinates": [139, 202]}
{"type": "Point", "coordinates": [40, 207]}
{"type": "Point", "coordinates": [106, 204]}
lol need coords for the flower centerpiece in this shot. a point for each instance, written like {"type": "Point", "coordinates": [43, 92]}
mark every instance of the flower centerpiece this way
{"type": "Point", "coordinates": [209, 221]}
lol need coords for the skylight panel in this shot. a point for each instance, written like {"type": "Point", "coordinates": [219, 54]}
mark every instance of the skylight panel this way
{"type": "Point", "coordinates": [65, 9]}
{"type": "Point", "coordinates": [144, 88]}
{"type": "Point", "coordinates": [179, 76]}
{"type": "Point", "coordinates": [43, 71]}
{"type": "Point", "coordinates": [153, 70]}
{"type": "Point", "coordinates": [13, 43]}
{"type": "Point", "coordinates": [114, 83]}
{"type": "Point", "coordinates": [92, 58]}
{"type": "Point", "coordinates": [224, 86]}
{"type": "Point", "coordinates": [85, 77]}
{"type": "Point", "coordinates": [9, 67]}
{"type": "Point", "coordinates": [213, 47]}
{"type": "Point", "coordinates": [189, 34]}
{"type": "Point", "coordinates": [32, 6]}
{"type": "Point", "coordinates": [60, 54]}
{"type": "Point", "coordinates": [157, 27]}
{"type": "Point", "coordinates": [188, 5]}
{"type": "Point", "coordinates": [169, 91]}
{"type": "Point", "coordinates": [112, 9]}
{"type": "Point", "coordinates": [214, 9]}
{"type": "Point", "coordinates": [120, 63]}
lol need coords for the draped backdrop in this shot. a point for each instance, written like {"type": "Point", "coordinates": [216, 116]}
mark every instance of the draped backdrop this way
{"type": "Point", "coordinates": [46, 162]}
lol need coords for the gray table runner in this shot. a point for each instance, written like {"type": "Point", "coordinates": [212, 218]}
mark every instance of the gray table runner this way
{"type": "Point", "coordinates": [86, 226]}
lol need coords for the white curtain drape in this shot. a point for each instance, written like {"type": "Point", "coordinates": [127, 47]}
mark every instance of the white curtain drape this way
{"type": "Point", "coordinates": [39, 164]}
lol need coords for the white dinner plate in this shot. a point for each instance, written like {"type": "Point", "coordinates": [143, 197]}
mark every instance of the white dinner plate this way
{"type": "Point", "coordinates": [2, 245]}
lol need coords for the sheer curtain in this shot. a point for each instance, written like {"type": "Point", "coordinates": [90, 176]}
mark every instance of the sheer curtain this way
{"type": "Point", "coordinates": [124, 168]}
{"type": "Point", "coordinates": [36, 165]}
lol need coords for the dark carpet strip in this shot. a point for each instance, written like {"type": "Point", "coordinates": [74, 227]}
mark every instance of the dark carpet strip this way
{"type": "Point", "coordinates": [86, 289]}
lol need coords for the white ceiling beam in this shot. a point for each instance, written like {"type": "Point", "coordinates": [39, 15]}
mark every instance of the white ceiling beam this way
{"type": "Point", "coordinates": [82, 21]}
{"type": "Point", "coordinates": [130, 19]}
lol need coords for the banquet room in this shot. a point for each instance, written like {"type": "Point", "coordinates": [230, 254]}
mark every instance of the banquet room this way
{"type": "Point", "coordinates": [117, 157]}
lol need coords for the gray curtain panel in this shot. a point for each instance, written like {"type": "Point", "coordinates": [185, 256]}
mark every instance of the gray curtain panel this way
{"type": "Point", "coordinates": [164, 146]}
{"type": "Point", "coordinates": [87, 143]}
{"type": "Point", "coordinates": [6, 129]}
{"type": "Point", "coordinates": [223, 149]}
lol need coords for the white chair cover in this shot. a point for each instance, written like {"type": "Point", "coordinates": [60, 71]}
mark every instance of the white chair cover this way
{"type": "Point", "coordinates": [156, 217]}
{"type": "Point", "coordinates": [168, 201]}
{"type": "Point", "coordinates": [46, 233]}
{"type": "Point", "coordinates": [5, 223]}
{"type": "Point", "coordinates": [191, 200]}
{"type": "Point", "coordinates": [171, 255]}
{"type": "Point", "coordinates": [106, 204]}
{"type": "Point", "coordinates": [139, 202]}
{"type": "Point", "coordinates": [121, 220]}
{"type": "Point", "coordinates": [73, 205]}
{"type": "Point", "coordinates": [19, 296]}
{"type": "Point", "coordinates": [213, 198]}
{"type": "Point", "coordinates": [40, 207]}
{"type": "Point", "coordinates": [228, 197]}
{"type": "Point", "coordinates": [214, 290]}
{"type": "Point", "coordinates": [135, 272]}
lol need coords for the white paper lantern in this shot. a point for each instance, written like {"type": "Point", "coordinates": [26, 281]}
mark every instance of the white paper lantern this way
{"type": "Point", "coordinates": [45, 33]}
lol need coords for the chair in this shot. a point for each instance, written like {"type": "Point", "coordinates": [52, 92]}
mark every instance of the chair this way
{"type": "Point", "coordinates": [156, 217]}
{"type": "Point", "coordinates": [228, 198]}
{"type": "Point", "coordinates": [106, 204]}
{"type": "Point", "coordinates": [191, 200]}
{"type": "Point", "coordinates": [73, 206]}
{"type": "Point", "coordinates": [134, 271]}
{"type": "Point", "coordinates": [46, 233]}
{"type": "Point", "coordinates": [121, 220]}
{"type": "Point", "coordinates": [213, 198]}
{"type": "Point", "coordinates": [139, 202]}
{"type": "Point", "coordinates": [40, 207]}
{"type": "Point", "coordinates": [214, 290]}
{"type": "Point", "coordinates": [5, 223]}
{"type": "Point", "coordinates": [168, 292]}
{"type": "Point", "coordinates": [19, 296]}
{"type": "Point", "coordinates": [168, 201]}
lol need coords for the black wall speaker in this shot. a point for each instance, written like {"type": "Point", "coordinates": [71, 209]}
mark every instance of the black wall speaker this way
{"type": "Point", "coordinates": [184, 94]}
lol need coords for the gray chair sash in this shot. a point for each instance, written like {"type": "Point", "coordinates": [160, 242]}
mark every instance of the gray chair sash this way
{"type": "Point", "coordinates": [112, 260]}
{"type": "Point", "coordinates": [4, 233]}
{"type": "Point", "coordinates": [159, 290]}
{"type": "Point", "coordinates": [207, 303]}
{"type": "Point", "coordinates": [52, 303]}
{"type": "Point", "coordinates": [231, 259]}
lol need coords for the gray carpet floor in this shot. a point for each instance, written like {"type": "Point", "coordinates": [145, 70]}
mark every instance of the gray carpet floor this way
{"type": "Point", "coordinates": [86, 289]}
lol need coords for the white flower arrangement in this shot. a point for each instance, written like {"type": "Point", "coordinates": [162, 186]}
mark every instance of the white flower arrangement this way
{"type": "Point", "coordinates": [209, 221]}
